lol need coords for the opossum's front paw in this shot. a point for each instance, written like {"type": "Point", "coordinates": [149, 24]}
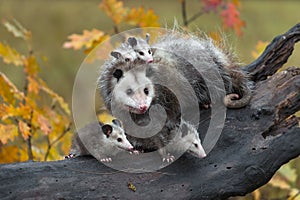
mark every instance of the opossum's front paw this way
{"type": "Point", "coordinates": [106, 159]}
{"type": "Point", "coordinates": [168, 158]}
{"type": "Point", "coordinates": [70, 156]}
{"type": "Point", "coordinates": [135, 152]}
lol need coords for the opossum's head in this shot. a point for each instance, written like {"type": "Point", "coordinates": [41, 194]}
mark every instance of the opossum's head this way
{"type": "Point", "coordinates": [191, 137]}
{"type": "Point", "coordinates": [115, 135]}
{"type": "Point", "coordinates": [125, 55]}
{"type": "Point", "coordinates": [142, 48]}
{"type": "Point", "coordinates": [134, 90]}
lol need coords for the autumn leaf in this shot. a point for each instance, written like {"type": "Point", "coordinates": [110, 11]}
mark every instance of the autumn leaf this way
{"type": "Point", "coordinates": [9, 91]}
{"type": "Point", "coordinates": [8, 132]}
{"type": "Point", "coordinates": [33, 85]}
{"type": "Point", "coordinates": [55, 97]}
{"type": "Point", "coordinates": [17, 30]}
{"type": "Point", "coordinates": [142, 18]}
{"type": "Point", "coordinates": [86, 40]}
{"type": "Point", "coordinates": [10, 55]}
{"type": "Point", "coordinates": [24, 129]}
{"type": "Point", "coordinates": [44, 124]}
{"type": "Point", "coordinates": [211, 5]}
{"type": "Point", "coordinates": [259, 48]}
{"type": "Point", "coordinates": [231, 18]}
{"type": "Point", "coordinates": [31, 66]}
{"type": "Point", "coordinates": [113, 9]}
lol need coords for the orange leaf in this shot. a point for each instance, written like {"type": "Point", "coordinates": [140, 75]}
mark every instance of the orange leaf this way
{"type": "Point", "coordinates": [231, 18]}
{"type": "Point", "coordinates": [10, 55]}
{"type": "Point", "coordinates": [113, 9]}
{"type": "Point", "coordinates": [86, 40]}
{"type": "Point", "coordinates": [33, 85]}
{"type": "Point", "coordinates": [21, 111]}
{"type": "Point", "coordinates": [259, 48]}
{"type": "Point", "coordinates": [142, 18]}
{"type": "Point", "coordinates": [31, 66]}
{"type": "Point", "coordinates": [8, 132]}
{"type": "Point", "coordinates": [24, 129]}
{"type": "Point", "coordinates": [44, 124]}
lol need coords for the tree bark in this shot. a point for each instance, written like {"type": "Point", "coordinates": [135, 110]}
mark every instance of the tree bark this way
{"type": "Point", "coordinates": [255, 142]}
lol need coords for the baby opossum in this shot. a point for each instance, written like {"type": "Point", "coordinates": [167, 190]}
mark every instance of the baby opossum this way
{"type": "Point", "coordinates": [134, 48]}
{"type": "Point", "coordinates": [100, 140]}
{"type": "Point", "coordinates": [183, 138]}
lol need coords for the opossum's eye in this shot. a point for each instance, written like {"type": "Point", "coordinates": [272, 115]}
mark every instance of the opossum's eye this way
{"type": "Point", "coordinates": [141, 53]}
{"type": "Point", "coordinates": [196, 145]}
{"type": "Point", "coordinates": [129, 91]}
{"type": "Point", "coordinates": [149, 51]}
{"type": "Point", "coordinates": [146, 91]}
{"type": "Point", "coordinates": [127, 59]}
{"type": "Point", "coordinates": [118, 74]}
{"type": "Point", "coordinates": [119, 139]}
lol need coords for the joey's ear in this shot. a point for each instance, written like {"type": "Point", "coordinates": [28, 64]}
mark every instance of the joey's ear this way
{"type": "Point", "coordinates": [147, 37]}
{"type": "Point", "coordinates": [116, 54]}
{"type": "Point", "coordinates": [118, 74]}
{"type": "Point", "coordinates": [117, 122]}
{"type": "Point", "coordinates": [132, 41]}
{"type": "Point", "coordinates": [107, 130]}
{"type": "Point", "coordinates": [184, 130]}
{"type": "Point", "coordinates": [153, 50]}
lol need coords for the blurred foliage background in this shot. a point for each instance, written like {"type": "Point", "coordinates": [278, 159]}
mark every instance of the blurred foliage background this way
{"type": "Point", "coordinates": [51, 22]}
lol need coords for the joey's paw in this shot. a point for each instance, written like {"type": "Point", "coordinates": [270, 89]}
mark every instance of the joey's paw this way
{"type": "Point", "coordinates": [70, 156]}
{"type": "Point", "coordinates": [135, 152]}
{"type": "Point", "coordinates": [106, 159]}
{"type": "Point", "coordinates": [168, 158]}
{"type": "Point", "coordinates": [207, 106]}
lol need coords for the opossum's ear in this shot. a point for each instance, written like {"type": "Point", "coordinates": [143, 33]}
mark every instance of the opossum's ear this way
{"type": "Point", "coordinates": [132, 41]}
{"type": "Point", "coordinates": [116, 54]}
{"type": "Point", "coordinates": [107, 130]}
{"type": "Point", "coordinates": [117, 122]}
{"type": "Point", "coordinates": [153, 50]}
{"type": "Point", "coordinates": [118, 74]}
{"type": "Point", "coordinates": [147, 37]}
{"type": "Point", "coordinates": [184, 130]}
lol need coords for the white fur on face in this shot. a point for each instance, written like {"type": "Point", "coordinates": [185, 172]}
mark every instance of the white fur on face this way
{"type": "Point", "coordinates": [118, 138]}
{"type": "Point", "coordinates": [134, 90]}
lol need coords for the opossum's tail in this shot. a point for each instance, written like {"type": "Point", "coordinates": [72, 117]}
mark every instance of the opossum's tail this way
{"type": "Point", "coordinates": [241, 93]}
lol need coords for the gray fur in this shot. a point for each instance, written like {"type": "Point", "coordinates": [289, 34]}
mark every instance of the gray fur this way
{"type": "Point", "coordinates": [101, 140]}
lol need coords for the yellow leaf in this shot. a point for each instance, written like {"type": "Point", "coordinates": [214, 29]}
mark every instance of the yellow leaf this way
{"type": "Point", "coordinates": [12, 153]}
{"type": "Point", "coordinates": [55, 97]}
{"type": "Point", "coordinates": [105, 118]}
{"type": "Point", "coordinates": [256, 194]}
{"type": "Point", "coordinates": [17, 30]}
{"type": "Point", "coordinates": [9, 91]}
{"type": "Point", "coordinates": [294, 194]}
{"type": "Point", "coordinates": [44, 124]}
{"type": "Point", "coordinates": [280, 182]}
{"type": "Point", "coordinates": [8, 132]}
{"type": "Point", "coordinates": [259, 48]}
{"type": "Point", "coordinates": [10, 55]}
{"type": "Point", "coordinates": [138, 16]}
{"type": "Point", "coordinates": [113, 9]}
{"type": "Point", "coordinates": [33, 85]}
{"type": "Point", "coordinates": [31, 66]}
{"type": "Point", "coordinates": [87, 39]}
{"type": "Point", "coordinates": [24, 129]}
{"type": "Point", "coordinates": [21, 111]}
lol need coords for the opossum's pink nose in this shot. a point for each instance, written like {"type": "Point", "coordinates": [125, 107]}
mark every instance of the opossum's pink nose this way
{"type": "Point", "coordinates": [150, 60]}
{"type": "Point", "coordinates": [143, 107]}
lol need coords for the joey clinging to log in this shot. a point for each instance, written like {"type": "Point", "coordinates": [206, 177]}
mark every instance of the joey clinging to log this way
{"type": "Point", "coordinates": [101, 140]}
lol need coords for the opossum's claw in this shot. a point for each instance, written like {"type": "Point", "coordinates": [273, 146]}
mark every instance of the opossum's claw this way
{"type": "Point", "coordinates": [106, 160]}
{"type": "Point", "coordinates": [70, 156]}
{"type": "Point", "coordinates": [169, 158]}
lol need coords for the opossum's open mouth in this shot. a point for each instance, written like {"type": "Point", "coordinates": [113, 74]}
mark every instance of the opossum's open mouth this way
{"type": "Point", "coordinates": [126, 149]}
{"type": "Point", "coordinates": [136, 110]}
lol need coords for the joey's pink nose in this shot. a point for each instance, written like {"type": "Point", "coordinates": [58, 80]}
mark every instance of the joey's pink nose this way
{"type": "Point", "coordinates": [150, 60]}
{"type": "Point", "coordinates": [143, 107]}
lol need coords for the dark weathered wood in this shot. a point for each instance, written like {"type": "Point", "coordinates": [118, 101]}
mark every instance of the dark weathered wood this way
{"type": "Point", "coordinates": [275, 55]}
{"type": "Point", "coordinates": [255, 142]}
